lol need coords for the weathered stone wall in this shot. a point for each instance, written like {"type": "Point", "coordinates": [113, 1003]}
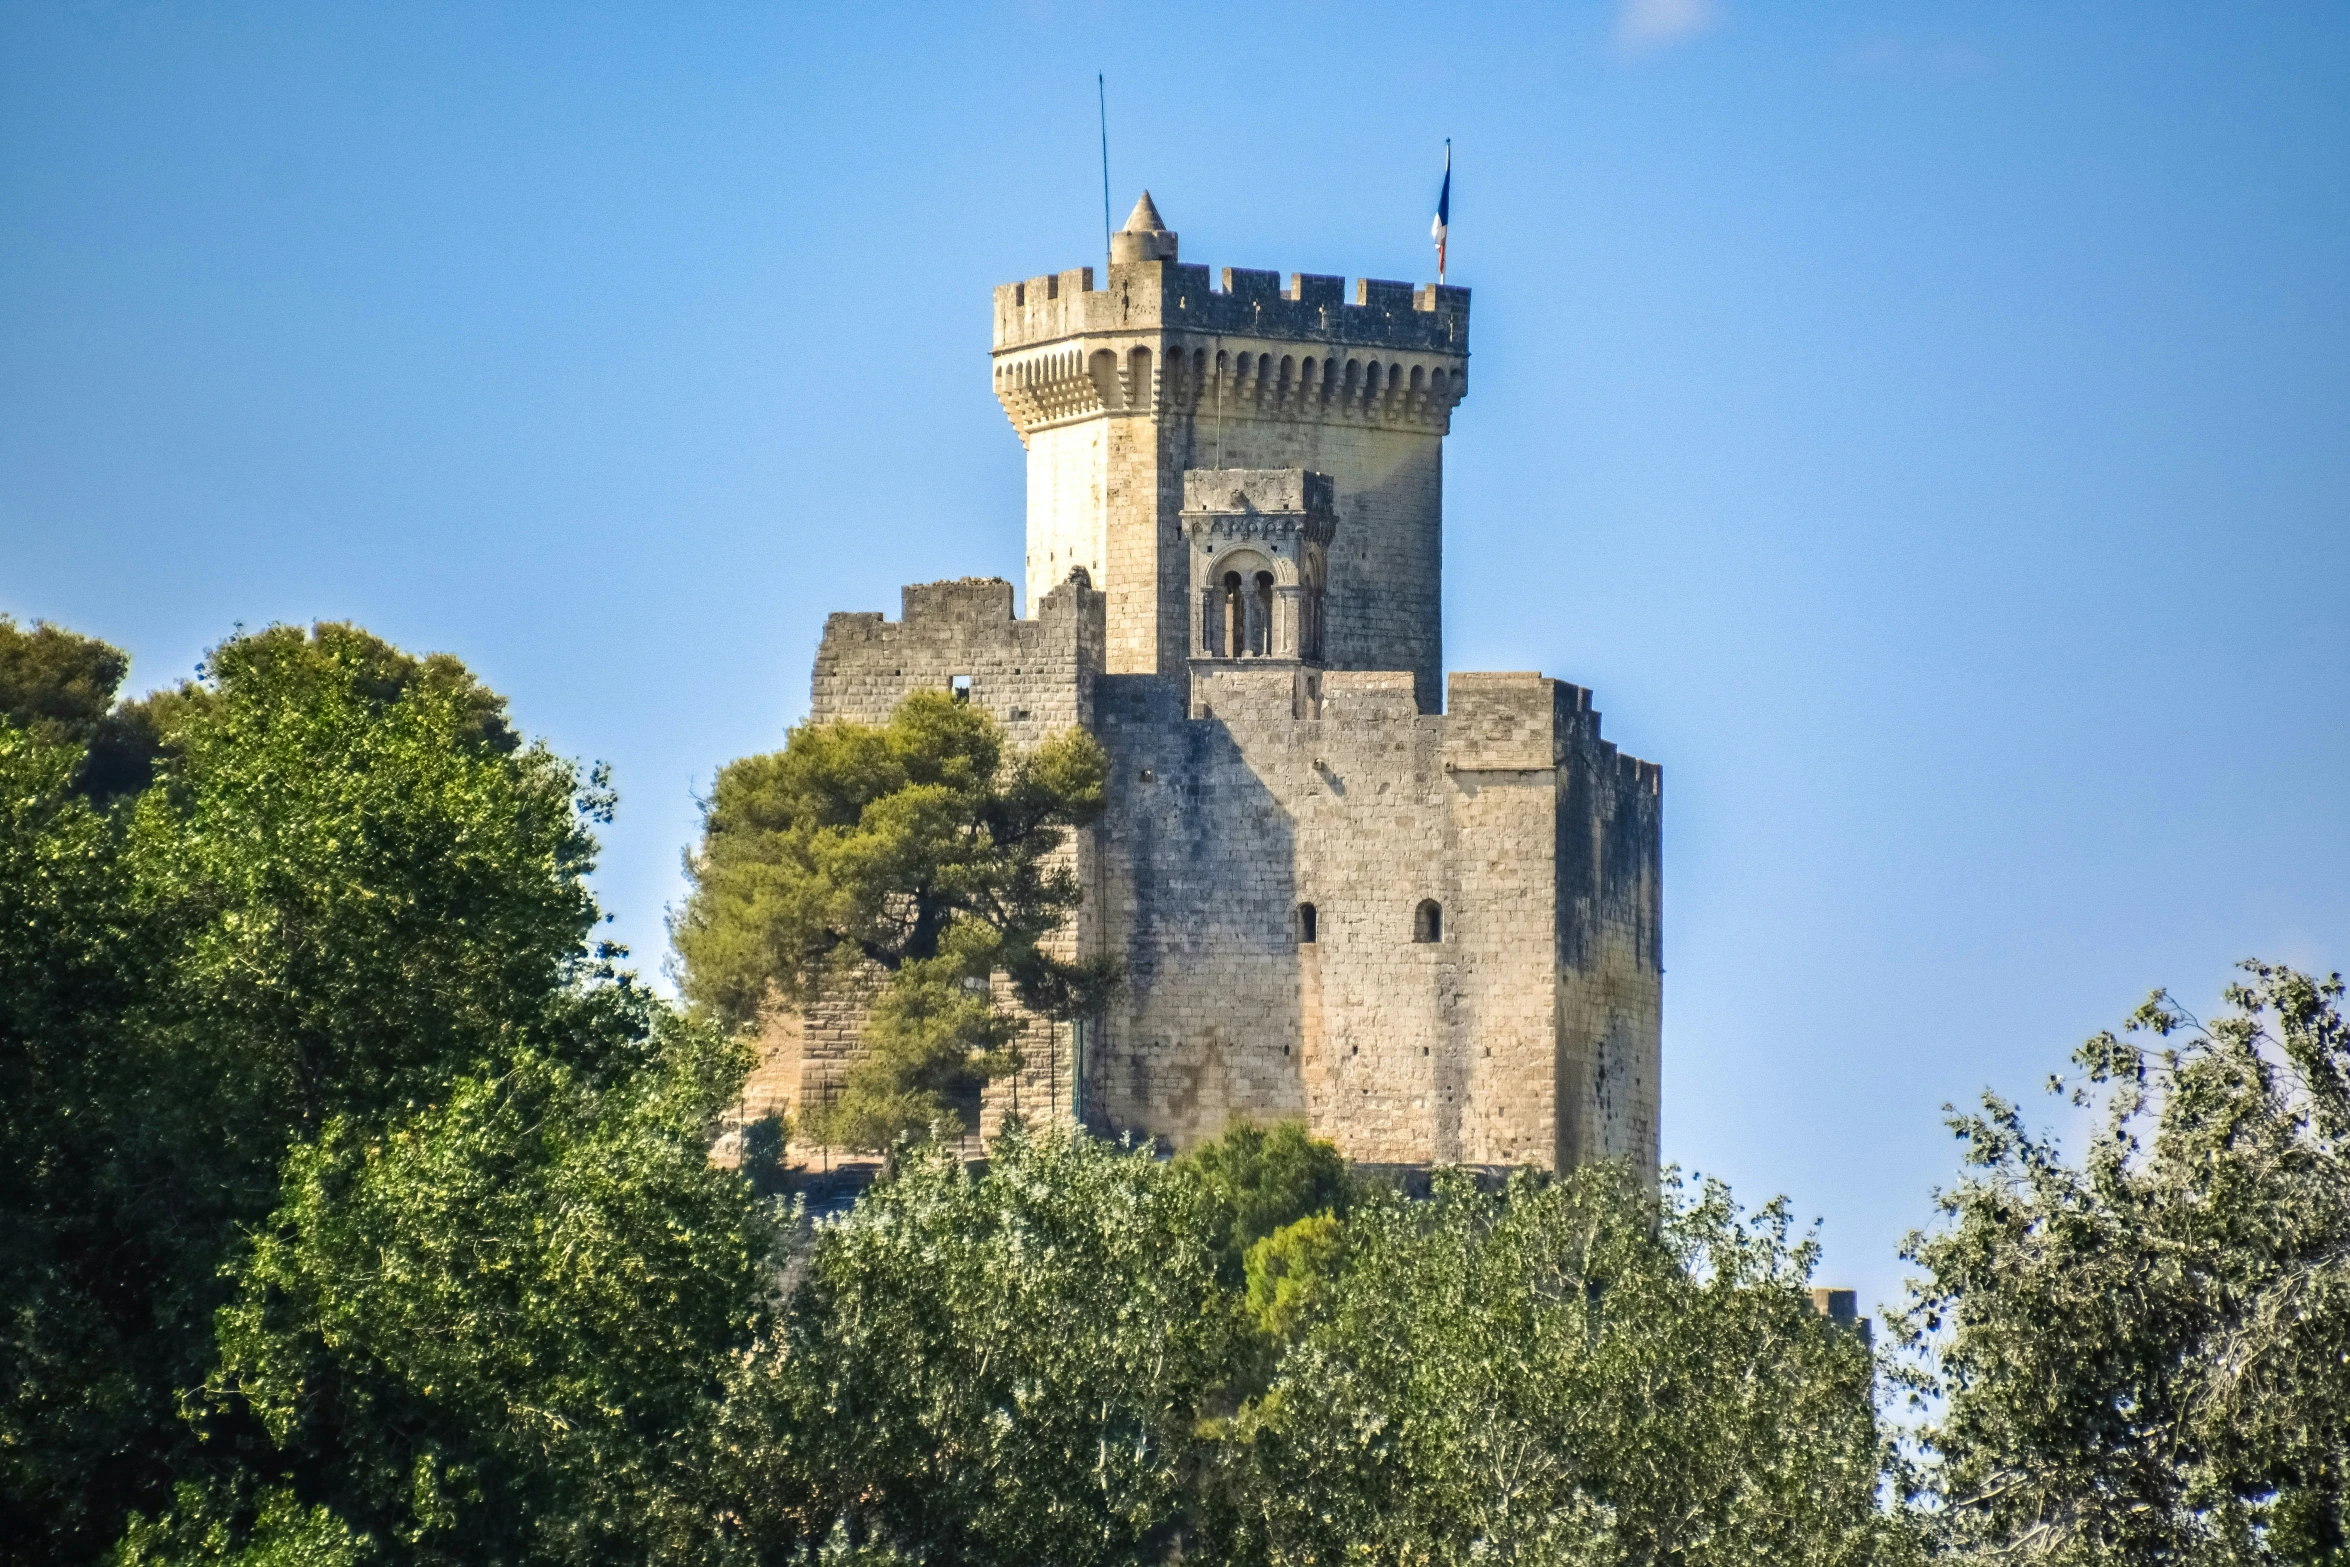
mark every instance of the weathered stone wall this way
{"type": "Point", "coordinates": [1036, 677]}
{"type": "Point", "coordinates": [1611, 951]}
{"type": "Point", "coordinates": [1526, 1033]}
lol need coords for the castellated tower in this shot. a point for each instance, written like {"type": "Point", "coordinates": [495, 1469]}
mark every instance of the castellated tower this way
{"type": "Point", "coordinates": [1119, 391]}
{"type": "Point", "coordinates": [1424, 915]}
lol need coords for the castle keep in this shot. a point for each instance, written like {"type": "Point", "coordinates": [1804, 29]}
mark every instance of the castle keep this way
{"type": "Point", "coordinates": [1420, 913]}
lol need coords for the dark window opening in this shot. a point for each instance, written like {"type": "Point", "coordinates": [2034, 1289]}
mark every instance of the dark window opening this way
{"type": "Point", "coordinates": [1428, 921]}
{"type": "Point", "coordinates": [1305, 924]}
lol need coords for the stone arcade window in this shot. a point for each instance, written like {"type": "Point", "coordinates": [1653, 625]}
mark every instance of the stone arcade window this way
{"type": "Point", "coordinates": [1428, 921]}
{"type": "Point", "coordinates": [1238, 622]}
{"type": "Point", "coordinates": [1305, 924]}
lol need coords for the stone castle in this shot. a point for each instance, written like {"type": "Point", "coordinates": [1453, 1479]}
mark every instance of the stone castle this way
{"type": "Point", "coordinates": [1420, 913]}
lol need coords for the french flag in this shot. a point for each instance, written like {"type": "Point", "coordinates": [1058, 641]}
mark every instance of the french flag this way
{"type": "Point", "coordinates": [1441, 226]}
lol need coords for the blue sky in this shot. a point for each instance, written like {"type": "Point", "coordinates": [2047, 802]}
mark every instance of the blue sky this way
{"type": "Point", "coordinates": [1926, 426]}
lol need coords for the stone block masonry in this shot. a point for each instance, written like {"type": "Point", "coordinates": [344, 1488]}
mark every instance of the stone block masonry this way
{"type": "Point", "coordinates": [1424, 915]}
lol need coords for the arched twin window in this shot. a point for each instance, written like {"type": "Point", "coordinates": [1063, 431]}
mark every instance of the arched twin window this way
{"type": "Point", "coordinates": [1243, 615]}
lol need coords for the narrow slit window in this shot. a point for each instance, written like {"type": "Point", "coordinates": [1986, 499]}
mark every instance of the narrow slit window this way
{"type": "Point", "coordinates": [1305, 925]}
{"type": "Point", "coordinates": [1428, 921]}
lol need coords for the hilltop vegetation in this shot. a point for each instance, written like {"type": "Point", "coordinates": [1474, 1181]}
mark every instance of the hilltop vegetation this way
{"type": "Point", "coordinates": [356, 1207]}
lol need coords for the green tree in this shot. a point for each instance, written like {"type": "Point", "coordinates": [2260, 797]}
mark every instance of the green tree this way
{"type": "Point", "coordinates": [498, 1329]}
{"type": "Point", "coordinates": [60, 687]}
{"type": "Point", "coordinates": [1569, 1371]}
{"type": "Point", "coordinates": [2145, 1357]}
{"type": "Point", "coordinates": [1258, 1179]}
{"type": "Point", "coordinates": [56, 684]}
{"type": "Point", "coordinates": [1290, 1273]}
{"type": "Point", "coordinates": [907, 863]}
{"type": "Point", "coordinates": [349, 891]}
{"type": "Point", "coordinates": [90, 1345]}
{"type": "Point", "coordinates": [201, 1531]}
{"type": "Point", "coordinates": [995, 1367]}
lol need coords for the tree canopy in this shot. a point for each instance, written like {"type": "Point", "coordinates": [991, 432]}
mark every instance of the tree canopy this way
{"type": "Point", "coordinates": [1564, 1371]}
{"type": "Point", "coordinates": [239, 1006]}
{"type": "Point", "coordinates": [356, 1207]}
{"type": "Point", "coordinates": [2145, 1357]}
{"type": "Point", "coordinates": [908, 864]}
{"type": "Point", "coordinates": [1041, 1361]}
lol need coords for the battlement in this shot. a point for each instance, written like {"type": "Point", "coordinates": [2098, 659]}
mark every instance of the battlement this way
{"type": "Point", "coordinates": [1173, 296]}
{"type": "Point", "coordinates": [965, 606]}
{"type": "Point", "coordinates": [1036, 676]}
{"type": "Point", "coordinates": [1519, 722]}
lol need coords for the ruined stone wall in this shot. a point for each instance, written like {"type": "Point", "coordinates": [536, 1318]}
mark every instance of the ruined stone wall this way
{"type": "Point", "coordinates": [1037, 678]}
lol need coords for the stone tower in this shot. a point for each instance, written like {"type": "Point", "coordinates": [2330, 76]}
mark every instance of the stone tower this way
{"type": "Point", "coordinates": [1120, 390]}
{"type": "Point", "coordinates": [1423, 914]}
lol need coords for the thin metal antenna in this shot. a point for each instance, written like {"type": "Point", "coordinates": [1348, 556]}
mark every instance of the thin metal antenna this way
{"type": "Point", "coordinates": [1102, 97]}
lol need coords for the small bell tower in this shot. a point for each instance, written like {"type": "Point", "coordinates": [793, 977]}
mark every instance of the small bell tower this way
{"type": "Point", "coordinates": [1260, 546]}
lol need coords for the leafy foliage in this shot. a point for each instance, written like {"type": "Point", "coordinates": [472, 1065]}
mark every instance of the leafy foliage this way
{"type": "Point", "coordinates": [2146, 1358]}
{"type": "Point", "coordinates": [59, 687]}
{"type": "Point", "coordinates": [92, 1252]}
{"type": "Point", "coordinates": [922, 851]}
{"type": "Point", "coordinates": [207, 1529]}
{"type": "Point", "coordinates": [1260, 1178]}
{"type": "Point", "coordinates": [1000, 1367]}
{"type": "Point", "coordinates": [348, 894]}
{"type": "Point", "coordinates": [1039, 1362]}
{"type": "Point", "coordinates": [1563, 1372]}
{"type": "Point", "coordinates": [1290, 1273]}
{"type": "Point", "coordinates": [495, 1330]}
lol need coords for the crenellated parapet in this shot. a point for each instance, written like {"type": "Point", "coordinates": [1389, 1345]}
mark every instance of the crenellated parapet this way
{"type": "Point", "coordinates": [1171, 296]}
{"type": "Point", "coordinates": [1158, 338]}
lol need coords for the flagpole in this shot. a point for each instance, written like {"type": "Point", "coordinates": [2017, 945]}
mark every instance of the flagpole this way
{"type": "Point", "coordinates": [1102, 98]}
